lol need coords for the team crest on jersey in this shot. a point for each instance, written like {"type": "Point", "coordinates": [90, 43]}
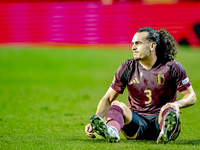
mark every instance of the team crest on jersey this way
{"type": "Point", "coordinates": [160, 78]}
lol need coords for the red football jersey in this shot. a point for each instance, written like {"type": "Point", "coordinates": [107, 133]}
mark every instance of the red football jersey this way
{"type": "Point", "coordinates": [150, 89]}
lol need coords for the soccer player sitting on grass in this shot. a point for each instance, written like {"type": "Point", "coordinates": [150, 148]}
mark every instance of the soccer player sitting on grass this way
{"type": "Point", "coordinates": [152, 79]}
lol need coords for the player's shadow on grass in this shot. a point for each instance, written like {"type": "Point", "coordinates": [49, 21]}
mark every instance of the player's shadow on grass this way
{"type": "Point", "coordinates": [176, 142]}
{"type": "Point", "coordinates": [92, 140]}
{"type": "Point", "coordinates": [186, 142]}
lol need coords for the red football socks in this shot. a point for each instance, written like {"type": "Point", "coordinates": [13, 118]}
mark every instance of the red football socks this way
{"type": "Point", "coordinates": [114, 117]}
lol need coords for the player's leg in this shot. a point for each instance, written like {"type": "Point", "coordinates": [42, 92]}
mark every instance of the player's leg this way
{"type": "Point", "coordinates": [137, 128]}
{"type": "Point", "coordinates": [169, 124]}
{"type": "Point", "coordinates": [117, 115]}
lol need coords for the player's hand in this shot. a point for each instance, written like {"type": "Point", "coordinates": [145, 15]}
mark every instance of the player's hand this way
{"type": "Point", "coordinates": [89, 132]}
{"type": "Point", "coordinates": [175, 106]}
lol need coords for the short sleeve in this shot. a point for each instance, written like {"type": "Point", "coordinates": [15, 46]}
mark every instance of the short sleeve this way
{"type": "Point", "coordinates": [120, 78]}
{"type": "Point", "coordinates": [179, 73]}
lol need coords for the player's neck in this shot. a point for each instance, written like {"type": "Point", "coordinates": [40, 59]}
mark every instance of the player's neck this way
{"type": "Point", "coordinates": [148, 63]}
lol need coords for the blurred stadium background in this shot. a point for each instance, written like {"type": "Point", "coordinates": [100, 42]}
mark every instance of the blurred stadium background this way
{"type": "Point", "coordinates": [103, 22]}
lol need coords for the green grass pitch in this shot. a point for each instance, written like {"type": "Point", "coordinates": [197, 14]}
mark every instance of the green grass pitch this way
{"type": "Point", "coordinates": [48, 94]}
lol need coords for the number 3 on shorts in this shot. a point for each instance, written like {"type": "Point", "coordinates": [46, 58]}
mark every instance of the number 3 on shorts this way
{"type": "Point", "coordinates": [148, 94]}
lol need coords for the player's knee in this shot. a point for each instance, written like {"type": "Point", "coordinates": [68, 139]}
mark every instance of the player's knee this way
{"type": "Point", "coordinates": [118, 103]}
{"type": "Point", "coordinates": [168, 105]}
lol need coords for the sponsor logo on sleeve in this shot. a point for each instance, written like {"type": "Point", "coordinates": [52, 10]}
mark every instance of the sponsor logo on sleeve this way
{"type": "Point", "coordinates": [185, 81]}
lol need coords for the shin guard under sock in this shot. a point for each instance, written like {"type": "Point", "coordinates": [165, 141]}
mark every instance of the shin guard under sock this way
{"type": "Point", "coordinates": [114, 117]}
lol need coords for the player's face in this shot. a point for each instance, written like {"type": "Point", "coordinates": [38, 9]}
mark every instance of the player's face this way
{"type": "Point", "coordinates": [141, 46]}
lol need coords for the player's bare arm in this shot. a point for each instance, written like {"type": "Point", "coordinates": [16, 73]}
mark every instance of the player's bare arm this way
{"type": "Point", "coordinates": [102, 108]}
{"type": "Point", "coordinates": [105, 102]}
{"type": "Point", "coordinates": [188, 99]}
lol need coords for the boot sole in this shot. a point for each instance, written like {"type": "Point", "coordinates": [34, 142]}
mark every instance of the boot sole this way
{"type": "Point", "coordinates": [169, 126]}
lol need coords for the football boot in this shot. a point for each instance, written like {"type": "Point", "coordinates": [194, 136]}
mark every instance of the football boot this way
{"type": "Point", "coordinates": [101, 128]}
{"type": "Point", "coordinates": [169, 127]}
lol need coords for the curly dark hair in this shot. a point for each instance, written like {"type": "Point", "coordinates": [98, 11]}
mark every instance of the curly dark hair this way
{"type": "Point", "coordinates": [166, 48]}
